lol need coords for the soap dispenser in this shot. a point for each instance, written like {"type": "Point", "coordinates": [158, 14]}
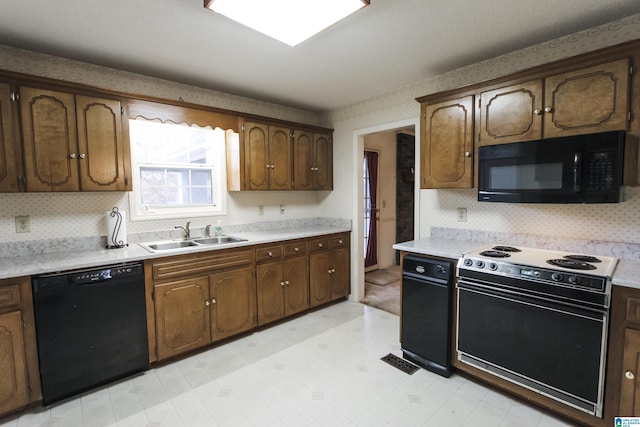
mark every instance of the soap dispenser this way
{"type": "Point", "coordinates": [217, 231]}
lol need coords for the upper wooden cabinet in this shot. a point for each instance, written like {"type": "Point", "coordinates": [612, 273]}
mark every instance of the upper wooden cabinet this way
{"type": "Point", "coordinates": [447, 144]}
{"type": "Point", "coordinates": [73, 142]}
{"type": "Point", "coordinates": [589, 100]}
{"type": "Point", "coordinates": [268, 156]}
{"type": "Point", "coordinates": [312, 161]}
{"type": "Point", "coordinates": [11, 175]}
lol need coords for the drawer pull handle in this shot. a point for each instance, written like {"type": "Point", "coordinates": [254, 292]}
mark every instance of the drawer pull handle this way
{"type": "Point", "coordinates": [319, 245]}
{"type": "Point", "coordinates": [270, 253]}
{"type": "Point", "coordinates": [296, 249]}
{"type": "Point", "coordinates": [629, 375]}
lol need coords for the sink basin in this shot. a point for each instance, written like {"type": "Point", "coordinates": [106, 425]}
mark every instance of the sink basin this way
{"type": "Point", "coordinates": [172, 245]}
{"type": "Point", "coordinates": [163, 246]}
{"type": "Point", "coordinates": [217, 240]}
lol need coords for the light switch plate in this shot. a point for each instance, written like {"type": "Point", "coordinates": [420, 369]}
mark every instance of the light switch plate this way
{"type": "Point", "coordinates": [23, 224]}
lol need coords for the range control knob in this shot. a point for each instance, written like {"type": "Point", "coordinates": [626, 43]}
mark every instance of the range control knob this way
{"type": "Point", "coordinates": [468, 262]}
{"type": "Point", "coordinates": [574, 280]}
{"type": "Point", "coordinates": [493, 266]}
{"type": "Point", "coordinates": [440, 269]}
{"type": "Point", "coordinates": [480, 264]}
{"type": "Point", "coordinates": [557, 277]}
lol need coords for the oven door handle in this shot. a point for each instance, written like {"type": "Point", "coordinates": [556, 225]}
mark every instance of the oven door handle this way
{"type": "Point", "coordinates": [522, 298]}
{"type": "Point", "coordinates": [577, 172]}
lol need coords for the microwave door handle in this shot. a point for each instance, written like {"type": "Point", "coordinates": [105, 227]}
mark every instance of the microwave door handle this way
{"type": "Point", "coordinates": [577, 172]}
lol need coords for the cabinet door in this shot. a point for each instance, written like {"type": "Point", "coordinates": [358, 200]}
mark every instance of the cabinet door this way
{"type": "Point", "coordinates": [319, 283]}
{"type": "Point", "coordinates": [303, 168]}
{"type": "Point", "coordinates": [511, 114]}
{"type": "Point", "coordinates": [10, 156]}
{"type": "Point", "coordinates": [594, 99]}
{"type": "Point", "coordinates": [323, 156]}
{"type": "Point", "coordinates": [256, 148]}
{"type": "Point", "coordinates": [233, 297]}
{"type": "Point", "coordinates": [50, 143]}
{"type": "Point", "coordinates": [630, 388]}
{"type": "Point", "coordinates": [296, 288]}
{"type": "Point", "coordinates": [182, 316]}
{"type": "Point", "coordinates": [100, 144]}
{"type": "Point", "coordinates": [270, 292]}
{"type": "Point", "coordinates": [340, 274]}
{"type": "Point", "coordinates": [13, 387]}
{"type": "Point", "coordinates": [279, 158]}
{"type": "Point", "coordinates": [447, 144]}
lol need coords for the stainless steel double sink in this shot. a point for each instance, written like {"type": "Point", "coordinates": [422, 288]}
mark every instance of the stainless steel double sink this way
{"type": "Point", "coordinates": [168, 245]}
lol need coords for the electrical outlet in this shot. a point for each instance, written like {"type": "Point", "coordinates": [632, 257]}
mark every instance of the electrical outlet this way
{"type": "Point", "coordinates": [23, 224]}
{"type": "Point", "coordinates": [260, 209]}
{"type": "Point", "coordinates": [462, 214]}
{"type": "Point", "coordinates": [281, 209]}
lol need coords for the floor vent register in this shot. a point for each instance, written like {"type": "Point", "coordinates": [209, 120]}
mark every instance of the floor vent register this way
{"type": "Point", "coordinates": [400, 363]}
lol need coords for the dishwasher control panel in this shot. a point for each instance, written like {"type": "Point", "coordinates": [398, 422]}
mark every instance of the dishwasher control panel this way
{"type": "Point", "coordinates": [427, 267]}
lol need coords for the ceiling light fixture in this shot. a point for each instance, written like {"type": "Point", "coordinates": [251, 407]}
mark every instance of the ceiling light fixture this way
{"type": "Point", "coordinates": [290, 21]}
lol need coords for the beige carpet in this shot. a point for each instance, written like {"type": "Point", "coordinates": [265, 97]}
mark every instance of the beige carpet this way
{"type": "Point", "coordinates": [385, 297]}
{"type": "Point", "coordinates": [383, 277]}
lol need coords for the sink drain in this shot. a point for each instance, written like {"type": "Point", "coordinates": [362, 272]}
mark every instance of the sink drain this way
{"type": "Point", "coordinates": [400, 363]}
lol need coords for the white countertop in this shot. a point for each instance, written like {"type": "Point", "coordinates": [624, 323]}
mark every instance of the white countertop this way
{"type": "Point", "coordinates": [71, 260]}
{"type": "Point", "coordinates": [627, 272]}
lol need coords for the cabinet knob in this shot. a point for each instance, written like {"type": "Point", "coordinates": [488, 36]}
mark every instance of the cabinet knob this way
{"type": "Point", "coordinates": [319, 245]}
{"type": "Point", "coordinates": [537, 112]}
{"type": "Point", "coordinates": [296, 249]}
{"type": "Point", "coordinates": [467, 154]}
{"type": "Point", "coordinates": [72, 155]}
{"type": "Point", "coordinates": [333, 270]}
{"type": "Point", "coordinates": [270, 254]}
{"type": "Point", "coordinates": [281, 283]}
{"type": "Point", "coordinates": [83, 156]}
{"type": "Point", "coordinates": [14, 96]}
{"type": "Point", "coordinates": [286, 282]}
{"type": "Point", "coordinates": [206, 302]}
{"type": "Point", "coordinates": [340, 241]}
{"type": "Point", "coordinates": [213, 300]}
{"type": "Point", "coordinates": [629, 375]}
{"type": "Point", "coordinates": [329, 271]}
{"type": "Point", "coordinates": [548, 109]}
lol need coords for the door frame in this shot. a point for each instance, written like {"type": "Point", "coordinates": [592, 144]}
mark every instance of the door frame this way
{"type": "Point", "coordinates": [357, 250]}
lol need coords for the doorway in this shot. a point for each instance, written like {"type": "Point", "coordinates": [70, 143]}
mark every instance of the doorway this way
{"type": "Point", "coordinates": [388, 212]}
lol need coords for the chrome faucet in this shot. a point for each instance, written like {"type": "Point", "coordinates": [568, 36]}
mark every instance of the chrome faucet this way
{"type": "Point", "coordinates": [185, 230]}
{"type": "Point", "coordinates": [207, 231]}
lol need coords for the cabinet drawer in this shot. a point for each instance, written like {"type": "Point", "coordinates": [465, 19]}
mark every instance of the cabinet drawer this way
{"type": "Point", "coordinates": [10, 296]}
{"type": "Point", "coordinates": [319, 244]}
{"type": "Point", "coordinates": [204, 262]}
{"type": "Point", "coordinates": [268, 253]}
{"type": "Point", "coordinates": [340, 241]}
{"type": "Point", "coordinates": [298, 247]}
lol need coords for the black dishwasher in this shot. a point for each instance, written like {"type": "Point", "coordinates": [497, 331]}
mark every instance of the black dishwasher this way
{"type": "Point", "coordinates": [91, 328]}
{"type": "Point", "coordinates": [427, 297]}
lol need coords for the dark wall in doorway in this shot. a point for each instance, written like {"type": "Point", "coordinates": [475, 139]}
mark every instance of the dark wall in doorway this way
{"type": "Point", "coordinates": [405, 188]}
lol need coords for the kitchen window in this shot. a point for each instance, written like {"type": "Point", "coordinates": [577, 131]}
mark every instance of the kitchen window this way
{"type": "Point", "coordinates": [178, 170]}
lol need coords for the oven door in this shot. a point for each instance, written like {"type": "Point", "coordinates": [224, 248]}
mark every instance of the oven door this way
{"type": "Point", "coordinates": [555, 349]}
{"type": "Point", "coordinates": [531, 172]}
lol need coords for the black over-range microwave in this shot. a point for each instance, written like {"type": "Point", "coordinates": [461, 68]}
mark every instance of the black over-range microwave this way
{"type": "Point", "coordinates": [572, 169]}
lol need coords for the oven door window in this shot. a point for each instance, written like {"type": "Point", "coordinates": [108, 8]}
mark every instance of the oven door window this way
{"type": "Point", "coordinates": [561, 349]}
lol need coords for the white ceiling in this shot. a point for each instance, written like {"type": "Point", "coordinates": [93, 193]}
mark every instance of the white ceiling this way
{"type": "Point", "coordinates": [384, 46]}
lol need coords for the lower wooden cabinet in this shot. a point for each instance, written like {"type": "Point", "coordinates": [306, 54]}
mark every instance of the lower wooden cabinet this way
{"type": "Point", "coordinates": [283, 280]}
{"type": "Point", "coordinates": [233, 302]}
{"type": "Point", "coordinates": [19, 375]}
{"type": "Point", "coordinates": [199, 299]}
{"type": "Point", "coordinates": [329, 269]}
{"type": "Point", "coordinates": [630, 387]}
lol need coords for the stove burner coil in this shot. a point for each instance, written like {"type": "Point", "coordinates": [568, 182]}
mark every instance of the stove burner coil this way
{"type": "Point", "coordinates": [506, 249]}
{"type": "Point", "coordinates": [583, 258]}
{"type": "Point", "coordinates": [495, 254]}
{"type": "Point", "coordinates": [571, 264]}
